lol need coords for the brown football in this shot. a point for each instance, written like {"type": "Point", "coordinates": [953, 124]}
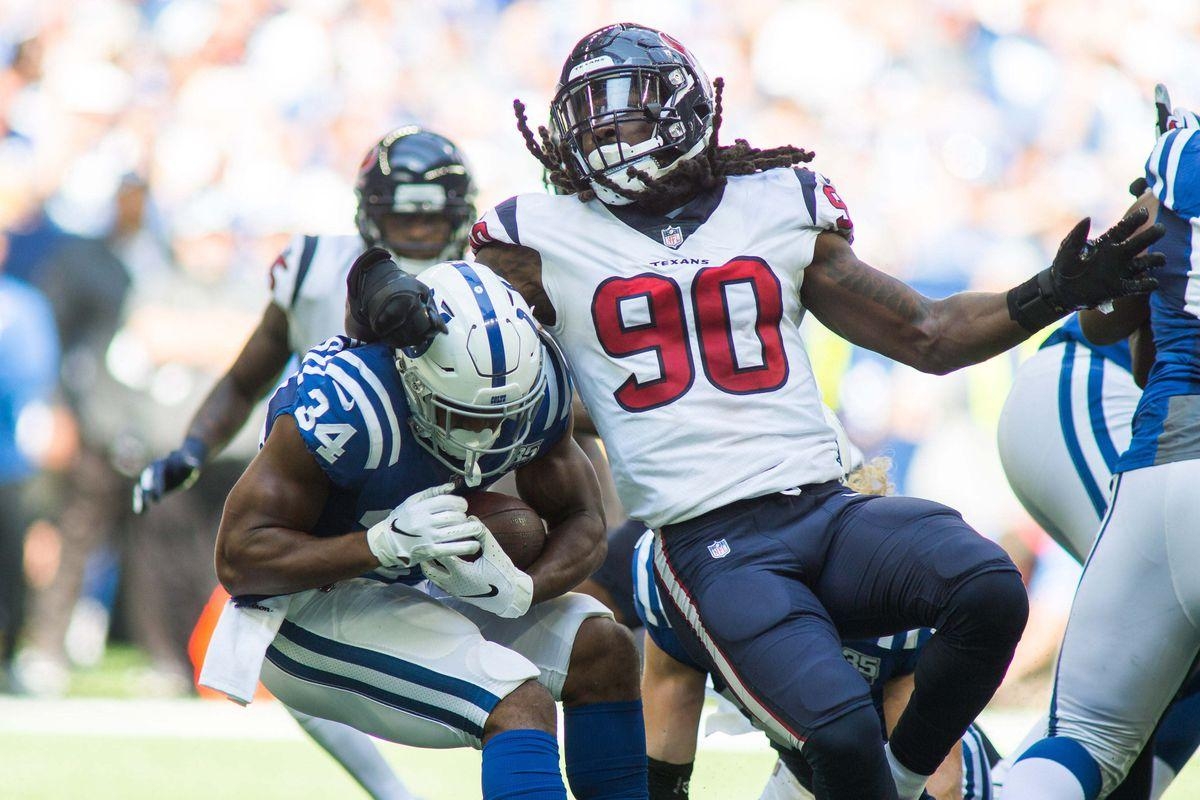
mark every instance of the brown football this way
{"type": "Point", "coordinates": [518, 529]}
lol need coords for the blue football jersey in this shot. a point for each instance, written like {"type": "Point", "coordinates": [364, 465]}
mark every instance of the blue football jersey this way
{"type": "Point", "coordinates": [1166, 425]}
{"type": "Point", "coordinates": [350, 408]}
{"type": "Point", "coordinates": [1071, 331]}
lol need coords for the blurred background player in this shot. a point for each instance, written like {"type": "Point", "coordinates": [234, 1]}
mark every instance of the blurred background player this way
{"type": "Point", "coordinates": [476, 393]}
{"type": "Point", "coordinates": [633, 276]}
{"type": "Point", "coordinates": [415, 198]}
{"type": "Point", "coordinates": [27, 383]}
{"type": "Point", "coordinates": [1136, 595]}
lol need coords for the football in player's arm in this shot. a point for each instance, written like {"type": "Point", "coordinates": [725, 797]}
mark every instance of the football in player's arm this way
{"type": "Point", "coordinates": [349, 505]}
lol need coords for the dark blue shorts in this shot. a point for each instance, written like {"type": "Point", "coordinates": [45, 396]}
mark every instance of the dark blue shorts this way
{"type": "Point", "coordinates": [760, 589]}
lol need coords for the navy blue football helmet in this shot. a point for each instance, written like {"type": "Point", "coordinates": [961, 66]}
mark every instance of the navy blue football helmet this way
{"type": "Point", "coordinates": [631, 96]}
{"type": "Point", "coordinates": [412, 171]}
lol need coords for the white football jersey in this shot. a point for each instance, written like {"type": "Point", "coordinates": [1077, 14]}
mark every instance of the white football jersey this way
{"type": "Point", "coordinates": [308, 281]}
{"type": "Point", "coordinates": [683, 335]}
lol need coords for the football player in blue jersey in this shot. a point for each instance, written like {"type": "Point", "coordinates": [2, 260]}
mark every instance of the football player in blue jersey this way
{"type": "Point", "coordinates": [415, 197]}
{"type": "Point", "coordinates": [674, 272]}
{"type": "Point", "coordinates": [1131, 641]}
{"type": "Point", "coordinates": [328, 539]}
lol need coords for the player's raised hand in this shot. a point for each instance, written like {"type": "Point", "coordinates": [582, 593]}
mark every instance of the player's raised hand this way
{"type": "Point", "coordinates": [179, 469]}
{"type": "Point", "coordinates": [429, 524]}
{"type": "Point", "coordinates": [491, 581]}
{"type": "Point", "coordinates": [1088, 272]}
{"type": "Point", "coordinates": [396, 307]}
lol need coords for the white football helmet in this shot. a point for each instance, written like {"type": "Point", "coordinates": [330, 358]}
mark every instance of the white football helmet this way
{"type": "Point", "coordinates": [473, 390]}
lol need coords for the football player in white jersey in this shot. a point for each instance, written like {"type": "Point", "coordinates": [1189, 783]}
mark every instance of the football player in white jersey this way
{"type": "Point", "coordinates": [416, 198]}
{"type": "Point", "coordinates": [1132, 641]}
{"type": "Point", "coordinates": [675, 272]}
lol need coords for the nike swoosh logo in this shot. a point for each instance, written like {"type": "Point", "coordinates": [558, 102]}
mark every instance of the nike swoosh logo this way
{"type": "Point", "coordinates": [402, 533]}
{"type": "Point", "coordinates": [492, 593]}
{"type": "Point", "coordinates": [347, 402]}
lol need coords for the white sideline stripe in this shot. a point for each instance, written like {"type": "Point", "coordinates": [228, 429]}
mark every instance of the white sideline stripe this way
{"type": "Point", "coordinates": [268, 721]}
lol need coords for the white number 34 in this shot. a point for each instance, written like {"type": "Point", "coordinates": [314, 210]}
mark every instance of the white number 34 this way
{"type": "Point", "coordinates": [332, 435]}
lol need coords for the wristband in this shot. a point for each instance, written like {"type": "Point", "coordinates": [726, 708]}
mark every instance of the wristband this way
{"type": "Point", "coordinates": [1031, 304]}
{"type": "Point", "coordinates": [194, 450]}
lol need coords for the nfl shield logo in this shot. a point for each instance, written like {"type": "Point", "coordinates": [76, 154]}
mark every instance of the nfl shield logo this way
{"type": "Point", "coordinates": [672, 236]}
{"type": "Point", "coordinates": [719, 548]}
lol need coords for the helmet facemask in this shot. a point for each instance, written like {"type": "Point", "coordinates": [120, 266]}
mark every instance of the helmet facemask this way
{"type": "Point", "coordinates": [651, 114]}
{"type": "Point", "coordinates": [460, 436]}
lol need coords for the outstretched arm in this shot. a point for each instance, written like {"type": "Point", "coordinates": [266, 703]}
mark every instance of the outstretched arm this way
{"type": "Point", "coordinates": [876, 311]}
{"type": "Point", "coordinates": [223, 412]}
{"type": "Point", "coordinates": [522, 267]}
{"type": "Point", "coordinates": [562, 488]}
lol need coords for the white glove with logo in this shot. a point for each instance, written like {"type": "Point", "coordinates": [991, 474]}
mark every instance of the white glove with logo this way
{"type": "Point", "coordinates": [429, 524]}
{"type": "Point", "coordinates": [490, 581]}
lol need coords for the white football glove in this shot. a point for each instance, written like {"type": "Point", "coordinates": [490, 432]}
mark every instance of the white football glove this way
{"type": "Point", "coordinates": [490, 581]}
{"type": "Point", "coordinates": [429, 524]}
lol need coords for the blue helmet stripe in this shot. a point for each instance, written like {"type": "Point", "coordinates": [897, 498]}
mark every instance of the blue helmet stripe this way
{"type": "Point", "coordinates": [491, 324]}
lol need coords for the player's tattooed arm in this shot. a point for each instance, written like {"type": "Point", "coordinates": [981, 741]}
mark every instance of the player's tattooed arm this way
{"type": "Point", "coordinates": [253, 374]}
{"type": "Point", "coordinates": [561, 487]}
{"type": "Point", "coordinates": [263, 546]}
{"type": "Point", "coordinates": [876, 311]}
{"type": "Point", "coordinates": [522, 267]}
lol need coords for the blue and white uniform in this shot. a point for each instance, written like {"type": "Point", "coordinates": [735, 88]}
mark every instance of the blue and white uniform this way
{"type": "Point", "coordinates": [1068, 413]}
{"type": "Point", "coordinates": [877, 661]}
{"type": "Point", "coordinates": [364, 649]}
{"type": "Point", "coordinates": [1139, 584]}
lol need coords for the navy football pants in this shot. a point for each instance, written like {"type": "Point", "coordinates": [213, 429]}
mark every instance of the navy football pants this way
{"type": "Point", "coordinates": [763, 590]}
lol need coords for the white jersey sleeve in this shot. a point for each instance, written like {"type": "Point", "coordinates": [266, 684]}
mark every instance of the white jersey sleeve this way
{"type": "Point", "coordinates": [825, 206]}
{"type": "Point", "coordinates": [285, 278]}
{"type": "Point", "coordinates": [308, 282]}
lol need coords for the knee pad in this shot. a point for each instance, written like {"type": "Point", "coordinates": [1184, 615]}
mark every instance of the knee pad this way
{"type": "Point", "coordinates": [991, 607]}
{"type": "Point", "coordinates": [851, 738]}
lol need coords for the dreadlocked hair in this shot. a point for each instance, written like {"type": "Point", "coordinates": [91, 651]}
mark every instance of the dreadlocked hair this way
{"type": "Point", "coordinates": [669, 191]}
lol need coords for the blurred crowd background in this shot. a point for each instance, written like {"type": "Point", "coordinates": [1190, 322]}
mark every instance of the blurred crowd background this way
{"type": "Point", "coordinates": [155, 156]}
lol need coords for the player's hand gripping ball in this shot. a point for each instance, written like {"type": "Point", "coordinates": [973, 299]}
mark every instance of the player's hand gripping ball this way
{"type": "Point", "coordinates": [518, 529]}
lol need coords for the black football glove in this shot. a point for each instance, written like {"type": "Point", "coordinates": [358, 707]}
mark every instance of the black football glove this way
{"type": "Point", "coordinates": [1086, 272]}
{"type": "Point", "coordinates": [394, 305]}
{"type": "Point", "coordinates": [179, 469]}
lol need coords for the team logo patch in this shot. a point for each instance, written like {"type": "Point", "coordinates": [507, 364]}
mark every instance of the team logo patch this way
{"type": "Point", "coordinates": [672, 236]}
{"type": "Point", "coordinates": [719, 548]}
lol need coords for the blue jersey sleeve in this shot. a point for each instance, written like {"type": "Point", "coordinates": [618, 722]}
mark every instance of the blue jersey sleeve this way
{"type": "Point", "coordinates": [1173, 171]}
{"type": "Point", "coordinates": [342, 411]}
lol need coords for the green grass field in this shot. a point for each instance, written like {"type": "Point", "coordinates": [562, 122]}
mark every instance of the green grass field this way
{"type": "Point", "coordinates": [56, 767]}
{"type": "Point", "coordinates": [101, 744]}
{"type": "Point", "coordinates": [48, 767]}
